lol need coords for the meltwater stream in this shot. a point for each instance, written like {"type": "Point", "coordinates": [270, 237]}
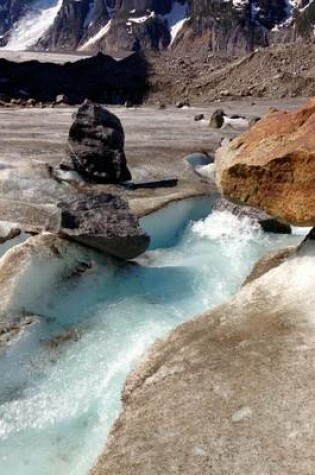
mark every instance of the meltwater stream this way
{"type": "Point", "coordinates": [59, 402]}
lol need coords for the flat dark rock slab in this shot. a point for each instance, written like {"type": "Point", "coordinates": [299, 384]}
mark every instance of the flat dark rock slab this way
{"type": "Point", "coordinates": [102, 221]}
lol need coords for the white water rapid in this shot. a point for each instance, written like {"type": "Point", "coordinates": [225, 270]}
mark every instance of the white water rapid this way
{"type": "Point", "coordinates": [58, 402]}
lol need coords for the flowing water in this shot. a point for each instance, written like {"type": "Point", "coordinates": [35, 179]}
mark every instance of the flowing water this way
{"type": "Point", "coordinates": [58, 402]}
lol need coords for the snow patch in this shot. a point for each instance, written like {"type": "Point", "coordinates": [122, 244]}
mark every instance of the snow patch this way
{"type": "Point", "coordinates": [176, 19]}
{"type": "Point", "coordinates": [141, 19]}
{"type": "Point", "coordinates": [33, 25]}
{"type": "Point", "coordinates": [103, 32]}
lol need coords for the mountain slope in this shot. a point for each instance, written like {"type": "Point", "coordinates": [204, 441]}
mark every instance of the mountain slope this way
{"type": "Point", "coordinates": [121, 26]}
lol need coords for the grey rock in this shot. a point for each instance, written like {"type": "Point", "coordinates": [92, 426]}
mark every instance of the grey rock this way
{"type": "Point", "coordinates": [62, 99]}
{"type": "Point", "coordinates": [96, 145]}
{"type": "Point", "coordinates": [217, 119]}
{"type": "Point", "coordinates": [8, 231]}
{"type": "Point", "coordinates": [199, 117]}
{"type": "Point", "coordinates": [101, 221]}
{"type": "Point", "coordinates": [31, 102]}
{"type": "Point", "coordinates": [267, 223]}
{"type": "Point", "coordinates": [181, 104]}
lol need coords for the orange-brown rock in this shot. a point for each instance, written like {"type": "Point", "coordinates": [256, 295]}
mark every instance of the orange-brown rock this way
{"type": "Point", "coordinates": [272, 166]}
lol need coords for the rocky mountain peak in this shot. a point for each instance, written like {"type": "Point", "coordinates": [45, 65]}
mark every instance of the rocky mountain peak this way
{"type": "Point", "coordinates": [121, 26]}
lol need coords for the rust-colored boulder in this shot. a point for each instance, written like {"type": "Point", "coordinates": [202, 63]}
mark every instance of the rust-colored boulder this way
{"type": "Point", "coordinates": [272, 166]}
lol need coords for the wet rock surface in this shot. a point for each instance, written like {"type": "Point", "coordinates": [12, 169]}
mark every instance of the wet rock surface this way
{"type": "Point", "coordinates": [96, 145]}
{"type": "Point", "coordinates": [267, 223]}
{"type": "Point", "coordinates": [101, 221]}
{"type": "Point", "coordinates": [272, 166]}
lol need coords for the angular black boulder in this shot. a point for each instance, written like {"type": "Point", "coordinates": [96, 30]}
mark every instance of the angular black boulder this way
{"type": "Point", "coordinates": [96, 145]}
{"type": "Point", "coordinates": [102, 221]}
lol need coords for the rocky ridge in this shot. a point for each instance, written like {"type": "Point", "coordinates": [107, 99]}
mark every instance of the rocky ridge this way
{"type": "Point", "coordinates": [117, 27]}
{"type": "Point", "coordinates": [280, 71]}
{"type": "Point", "coordinates": [276, 72]}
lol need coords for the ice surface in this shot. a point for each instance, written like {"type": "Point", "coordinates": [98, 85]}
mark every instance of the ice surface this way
{"type": "Point", "coordinates": [59, 402]}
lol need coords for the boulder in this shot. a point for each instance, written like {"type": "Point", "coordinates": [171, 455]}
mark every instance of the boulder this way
{"type": "Point", "coordinates": [8, 231]}
{"type": "Point", "coordinates": [96, 145]}
{"type": "Point", "coordinates": [16, 102]}
{"type": "Point", "coordinates": [62, 99]}
{"type": "Point", "coordinates": [101, 221]}
{"type": "Point", "coordinates": [31, 102]}
{"type": "Point", "coordinates": [181, 104]}
{"type": "Point", "coordinates": [272, 166]}
{"type": "Point", "coordinates": [267, 223]}
{"type": "Point", "coordinates": [217, 119]}
{"type": "Point", "coordinates": [199, 117]}
{"type": "Point", "coordinates": [161, 105]}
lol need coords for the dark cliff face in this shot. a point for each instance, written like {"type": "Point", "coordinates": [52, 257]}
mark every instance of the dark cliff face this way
{"type": "Point", "coordinates": [79, 21]}
{"type": "Point", "coordinates": [99, 78]}
{"type": "Point", "coordinates": [121, 26]}
{"type": "Point", "coordinates": [234, 27]}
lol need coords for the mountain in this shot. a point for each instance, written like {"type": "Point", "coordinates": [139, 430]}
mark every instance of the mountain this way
{"type": "Point", "coordinates": [121, 26]}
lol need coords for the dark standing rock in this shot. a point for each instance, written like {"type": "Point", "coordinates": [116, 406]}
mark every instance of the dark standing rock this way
{"type": "Point", "coordinates": [96, 145]}
{"type": "Point", "coordinates": [101, 221]}
{"type": "Point", "coordinates": [217, 119]}
{"type": "Point", "coordinates": [181, 104]}
{"type": "Point", "coordinates": [267, 223]}
{"type": "Point", "coordinates": [199, 117]}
